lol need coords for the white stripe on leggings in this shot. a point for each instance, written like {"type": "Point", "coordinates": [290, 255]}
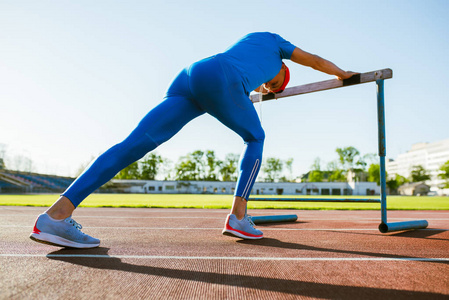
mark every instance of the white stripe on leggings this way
{"type": "Point", "coordinates": [251, 178]}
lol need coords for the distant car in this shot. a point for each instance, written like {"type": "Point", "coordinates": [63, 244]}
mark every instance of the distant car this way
{"type": "Point", "coordinates": [432, 193]}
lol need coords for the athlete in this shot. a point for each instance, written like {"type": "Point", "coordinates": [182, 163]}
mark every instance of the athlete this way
{"type": "Point", "coordinates": [218, 85]}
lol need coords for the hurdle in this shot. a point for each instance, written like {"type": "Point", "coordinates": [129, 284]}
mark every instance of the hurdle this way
{"type": "Point", "coordinates": [378, 76]}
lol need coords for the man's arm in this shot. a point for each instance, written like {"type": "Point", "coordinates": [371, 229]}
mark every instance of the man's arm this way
{"type": "Point", "coordinates": [320, 64]}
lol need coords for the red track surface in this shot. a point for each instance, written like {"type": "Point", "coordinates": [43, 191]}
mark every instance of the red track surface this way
{"type": "Point", "coordinates": [181, 254]}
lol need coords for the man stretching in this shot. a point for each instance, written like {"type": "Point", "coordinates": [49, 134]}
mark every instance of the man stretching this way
{"type": "Point", "coordinates": [218, 85]}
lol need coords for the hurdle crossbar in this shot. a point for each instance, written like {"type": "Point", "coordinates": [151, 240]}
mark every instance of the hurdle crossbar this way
{"type": "Point", "coordinates": [326, 85]}
{"type": "Point", "coordinates": [359, 200]}
{"type": "Point", "coordinates": [377, 76]}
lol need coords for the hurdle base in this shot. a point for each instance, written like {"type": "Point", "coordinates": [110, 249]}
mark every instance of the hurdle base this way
{"type": "Point", "coordinates": [398, 226]}
{"type": "Point", "coordinates": [274, 219]}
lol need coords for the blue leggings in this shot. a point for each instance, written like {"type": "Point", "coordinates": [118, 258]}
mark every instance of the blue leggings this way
{"type": "Point", "coordinates": [210, 85]}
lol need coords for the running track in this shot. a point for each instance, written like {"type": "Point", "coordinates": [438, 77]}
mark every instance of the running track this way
{"type": "Point", "coordinates": [181, 254]}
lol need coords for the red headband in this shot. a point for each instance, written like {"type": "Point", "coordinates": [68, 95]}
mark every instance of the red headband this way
{"type": "Point", "coordinates": [286, 80]}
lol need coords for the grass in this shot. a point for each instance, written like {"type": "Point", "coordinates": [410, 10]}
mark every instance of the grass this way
{"type": "Point", "coordinates": [223, 201]}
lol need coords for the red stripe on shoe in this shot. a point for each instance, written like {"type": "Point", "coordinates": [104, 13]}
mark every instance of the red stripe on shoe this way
{"type": "Point", "coordinates": [228, 227]}
{"type": "Point", "coordinates": [35, 230]}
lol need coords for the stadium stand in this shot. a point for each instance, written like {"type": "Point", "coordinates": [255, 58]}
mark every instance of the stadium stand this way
{"type": "Point", "coordinates": [24, 182]}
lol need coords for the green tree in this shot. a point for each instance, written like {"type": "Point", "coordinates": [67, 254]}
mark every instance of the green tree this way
{"type": "Point", "coordinates": [197, 159]}
{"type": "Point", "coordinates": [228, 169]}
{"type": "Point", "coordinates": [337, 176]}
{"type": "Point", "coordinates": [2, 156]}
{"type": "Point", "coordinates": [419, 174]}
{"type": "Point", "coordinates": [289, 166]}
{"type": "Point", "coordinates": [374, 173]}
{"type": "Point", "coordinates": [315, 176]}
{"type": "Point", "coordinates": [130, 172]}
{"type": "Point", "coordinates": [149, 166]}
{"type": "Point", "coordinates": [335, 173]}
{"type": "Point", "coordinates": [272, 168]}
{"type": "Point", "coordinates": [212, 165]}
{"type": "Point", "coordinates": [395, 183]}
{"type": "Point", "coordinates": [284, 179]}
{"type": "Point", "coordinates": [316, 166]}
{"type": "Point", "coordinates": [350, 159]}
{"type": "Point", "coordinates": [370, 158]}
{"type": "Point", "coordinates": [193, 166]}
{"type": "Point", "coordinates": [188, 168]}
{"type": "Point", "coordinates": [445, 174]}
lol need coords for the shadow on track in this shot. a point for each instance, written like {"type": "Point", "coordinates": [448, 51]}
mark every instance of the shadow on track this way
{"type": "Point", "coordinates": [101, 260]}
{"type": "Point", "coordinates": [270, 242]}
{"type": "Point", "coordinates": [417, 234]}
{"type": "Point", "coordinates": [420, 234]}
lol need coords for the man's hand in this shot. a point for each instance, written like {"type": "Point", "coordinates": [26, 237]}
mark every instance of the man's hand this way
{"type": "Point", "coordinates": [262, 89]}
{"type": "Point", "coordinates": [346, 75]}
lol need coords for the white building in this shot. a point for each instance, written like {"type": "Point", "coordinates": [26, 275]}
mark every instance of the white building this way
{"type": "Point", "coordinates": [259, 188]}
{"type": "Point", "coordinates": [429, 155]}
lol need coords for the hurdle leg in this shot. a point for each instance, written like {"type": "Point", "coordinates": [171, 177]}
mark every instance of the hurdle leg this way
{"type": "Point", "coordinates": [384, 225]}
{"type": "Point", "coordinates": [382, 149]}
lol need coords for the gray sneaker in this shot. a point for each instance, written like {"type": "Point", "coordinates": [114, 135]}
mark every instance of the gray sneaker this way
{"type": "Point", "coordinates": [243, 228]}
{"type": "Point", "coordinates": [62, 233]}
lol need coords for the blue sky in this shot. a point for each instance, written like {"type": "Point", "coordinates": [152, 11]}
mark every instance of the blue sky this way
{"type": "Point", "coordinates": [77, 76]}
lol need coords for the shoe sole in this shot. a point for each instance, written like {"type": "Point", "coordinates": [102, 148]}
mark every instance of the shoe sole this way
{"type": "Point", "coordinates": [233, 233]}
{"type": "Point", "coordinates": [58, 241]}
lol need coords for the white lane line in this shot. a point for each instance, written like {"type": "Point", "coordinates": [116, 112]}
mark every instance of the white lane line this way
{"type": "Point", "coordinates": [254, 258]}
{"type": "Point", "coordinates": [220, 228]}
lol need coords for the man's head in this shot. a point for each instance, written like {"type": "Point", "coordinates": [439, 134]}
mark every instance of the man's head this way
{"type": "Point", "coordinates": [280, 81]}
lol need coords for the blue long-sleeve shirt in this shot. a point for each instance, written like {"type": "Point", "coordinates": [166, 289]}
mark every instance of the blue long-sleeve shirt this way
{"type": "Point", "coordinates": [257, 57]}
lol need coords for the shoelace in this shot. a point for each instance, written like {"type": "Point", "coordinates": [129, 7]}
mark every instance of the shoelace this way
{"type": "Point", "coordinates": [75, 224]}
{"type": "Point", "coordinates": [248, 217]}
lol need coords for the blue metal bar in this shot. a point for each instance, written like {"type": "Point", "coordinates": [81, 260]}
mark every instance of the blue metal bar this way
{"type": "Point", "coordinates": [384, 225]}
{"type": "Point", "coordinates": [398, 226]}
{"type": "Point", "coordinates": [361, 200]}
{"type": "Point", "coordinates": [274, 219]}
{"type": "Point", "coordinates": [382, 148]}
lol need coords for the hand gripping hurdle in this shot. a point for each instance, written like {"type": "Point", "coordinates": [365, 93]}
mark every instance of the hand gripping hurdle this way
{"type": "Point", "coordinates": [377, 76]}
